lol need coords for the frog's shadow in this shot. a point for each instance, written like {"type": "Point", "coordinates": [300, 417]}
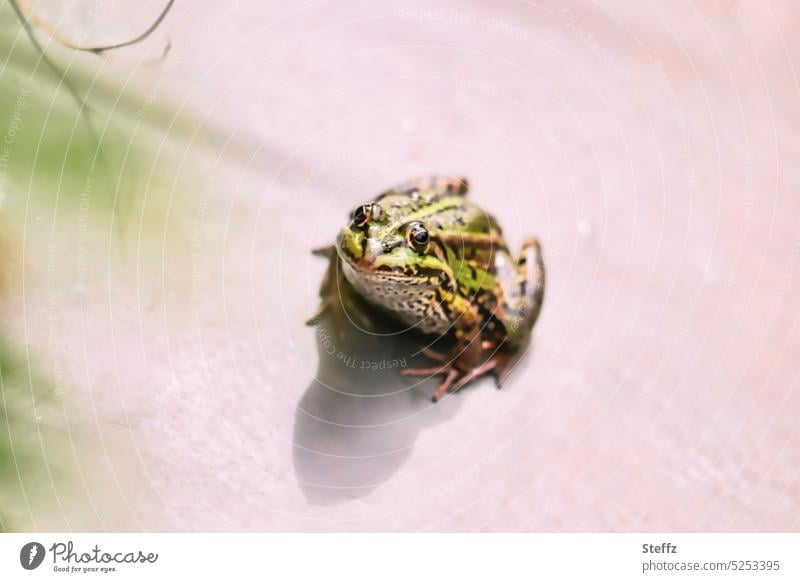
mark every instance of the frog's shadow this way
{"type": "Point", "coordinates": [359, 419]}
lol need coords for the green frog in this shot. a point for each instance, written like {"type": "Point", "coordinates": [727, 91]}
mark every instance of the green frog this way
{"type": "Point", "coordinates": [427, 256]}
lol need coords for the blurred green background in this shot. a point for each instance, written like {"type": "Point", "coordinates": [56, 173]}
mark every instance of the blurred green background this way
{"type": "Point", "coordinates": [87, 160]}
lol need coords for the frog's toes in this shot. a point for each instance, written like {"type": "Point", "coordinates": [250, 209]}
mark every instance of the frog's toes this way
{"type": "Point", "coordinates": [449, 374]}
{"type": "Point", "coordinates": [474, 374]}
{"type": "Point", "coordinates": [499, 379]}
{"type": "Point", "coordinates": [329, 307]}
{"type": "Point", "coordinates": [436, 371]}
{"type": "Point", "coordinates": [315, 319]}
{"type": "Point", "coordinates": [326, 252]}
{"type": "Point", "coordinates": [325, 307]}
{"type": "Point", "coordinates": [502, 369]}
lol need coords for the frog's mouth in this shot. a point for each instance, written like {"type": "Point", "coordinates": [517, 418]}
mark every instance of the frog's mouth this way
{"type": "Point", "coordinates": [368, 259]}
{"type": "Point", "coordinates": [372, 267]}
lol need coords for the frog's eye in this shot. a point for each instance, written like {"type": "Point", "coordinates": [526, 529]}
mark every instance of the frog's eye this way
{"type": "Point", "coordinates": [362, 214]}
{"type": "Point", "coordinates": [418, 237]}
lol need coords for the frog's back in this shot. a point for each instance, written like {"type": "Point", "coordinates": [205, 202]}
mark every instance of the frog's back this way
{"type": "Point", "coordinates": [440, 202]}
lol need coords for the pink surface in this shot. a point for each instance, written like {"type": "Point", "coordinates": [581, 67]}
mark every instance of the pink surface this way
{"type": "Point", "coordinates": [651, 147]}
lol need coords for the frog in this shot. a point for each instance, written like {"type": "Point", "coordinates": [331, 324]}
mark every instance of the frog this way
{"type": "Point", "coordinates": [427, 256]}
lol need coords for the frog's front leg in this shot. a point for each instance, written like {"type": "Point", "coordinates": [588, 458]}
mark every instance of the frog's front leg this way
{"type": "Point", "coordinates": [337, 296]}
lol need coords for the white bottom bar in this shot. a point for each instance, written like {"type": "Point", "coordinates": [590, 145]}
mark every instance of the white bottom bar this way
{"type": "Point", "coordinates": [401, 557]}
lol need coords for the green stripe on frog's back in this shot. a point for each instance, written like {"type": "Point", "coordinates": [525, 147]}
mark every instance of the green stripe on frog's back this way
{"type": "Point", "coordinates": [425, 211]}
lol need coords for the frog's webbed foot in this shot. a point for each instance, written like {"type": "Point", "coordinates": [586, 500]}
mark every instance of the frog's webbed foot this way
{"type": "Point", "coordinates": [499, 365]}
{"type": "Point", "coordinates": [454, 379]}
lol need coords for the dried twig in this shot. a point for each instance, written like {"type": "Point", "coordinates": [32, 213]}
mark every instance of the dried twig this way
{"type": "Point", "coordinates": [27, 14]}
{"type": "Point", "coordinates": [24, 6]}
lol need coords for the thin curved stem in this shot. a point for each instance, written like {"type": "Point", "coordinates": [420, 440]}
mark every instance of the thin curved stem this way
{"type": "Point", "coordinates": [23, 6]}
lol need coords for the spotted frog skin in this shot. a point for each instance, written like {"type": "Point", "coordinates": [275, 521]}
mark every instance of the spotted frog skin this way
{"type": "Point", "coordinates": [427, 256]}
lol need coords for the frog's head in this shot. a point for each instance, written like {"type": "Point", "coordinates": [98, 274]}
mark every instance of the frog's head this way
{"type": "Point", "coordinates": [392, 259]}
{"type": "Point", "coordinates": [395, 251]}
{"type": "Point", "coordinates": [390, 243]}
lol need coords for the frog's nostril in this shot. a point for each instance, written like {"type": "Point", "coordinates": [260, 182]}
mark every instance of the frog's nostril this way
{"type": "Point", "coordinates": [387, 246]}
